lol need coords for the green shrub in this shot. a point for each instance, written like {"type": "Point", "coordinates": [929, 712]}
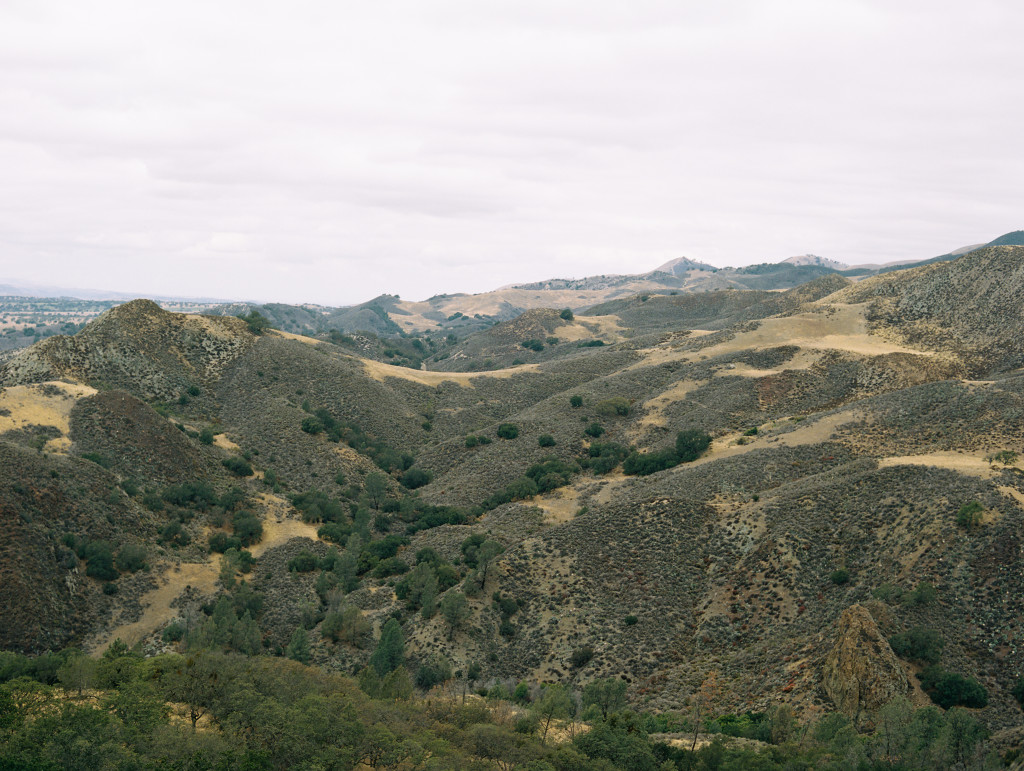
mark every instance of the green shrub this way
{"type": "Point", "coordinates": [840, 577]}
{"type": "Point", "coordinates": [248, 528]}
{"type": "Point", "coordinates": [923, 595]}
{"type": "Point", "coordinates": [508, 431]}
{"type": "Point", "coordinates": [173, 632]}
{"type": "Point", "coordinates": [220, 542]}
{"type": "Point", "coordinates": [691, 444]}
{"type": "Point", "coordinates": [950, 689]}
{"type": "Point", "coordinates": [590, 344]}
{"type": "Point", "coordinates": [581, 657]}
{"type": "Point", "coordinates": [303, 562]}
{"type": "Point", "coordinates": [392, 566]}
{"type": "Point", "coordinates": [1018, 691]}
{"type": "Point", "coordinates": [237, 466]}
{"type": "Point", "coordinates": [631, 620]}
{"type": "Point", "coordinates": [575, 401]}
{"type": "Point", "coordinates": [645, 463]}
{"type": "Point", "coordinates": [132, 558]}
{"type": "Point", "coordinates": [889, 593]}
{"type": "Point", "coordinates": [751, 431]}
{"type": "Point", "coordinates": [919, 644]}
{"type": "Point", "coordinates": [434, 671]}
{"type": "Point", "coordinates": [594, 429]}
{"type": "Point", "coordinates": [206, 436]}
{"type": "Point", "coordinates": [99, 560]}
{"type": "Point", "coordinates": [98, 458]}
{"type": "Point", "coordinates": [969, 515]}
{"type": "Point", "coordinates": [566, 314]}
{"type": "Point", "coordinates": [546, 440]}
{"type": "Point", "coordinates": [110, 588]}
{"type": "Point", "coordinates": [472, 441]}
{"type": "Point", "coordinates": [616, 406]}
{"type": "Point", "coordinates": [533, 344]}
{"type": "Point", "coordinates": [415, 478]}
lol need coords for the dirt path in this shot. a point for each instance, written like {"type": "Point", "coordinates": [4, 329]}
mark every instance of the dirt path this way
{"type": "Point", "coordinates": [278, 528]}
{"type": "Point", "coordinates": [972, 464]}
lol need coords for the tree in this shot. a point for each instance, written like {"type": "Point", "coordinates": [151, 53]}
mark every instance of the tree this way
{"type": "Point", "coordinates": [78, 673]}
{"type": "Point", "coordinates": [195, 681]}
{"type": "Point", "coordinates": [454, 610]}
{"type": "Point", "coordinates": [390, 652]}
{"type": "Point", "coordinates": [508, 431]}
{"type": "Point", "coordinates": [396, 685]}
{"type": "Point", "coordinates": [554, 703]}
{"type": "Point", "coordinates": [608, 694]}
{"type": "Point", "coordinates": [969, 515]}
{"type": "Point", "coordinates": [691, 444]}
{"type": "Point", "coordinates": [488, 550]}
{"type": "Point", "coordinates": [298, 647]}
{"type": "Point", "coordinates": [575, 401]}
{"type": "Point", "coordinates": [375, 487]}
{"type": "Point", "coordinates": [566, 314]}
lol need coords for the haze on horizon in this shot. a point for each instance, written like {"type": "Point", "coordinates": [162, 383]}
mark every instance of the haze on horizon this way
{"type": "Point", "coordinates": [329, 152]}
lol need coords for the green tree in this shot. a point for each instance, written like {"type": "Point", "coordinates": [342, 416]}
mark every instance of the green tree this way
{"type": "Point", "coordinates": [575, 401]}
{"type": "Point", "coordinates": [375, 487]}
{"type": "Point", "coordinates": [608, 694]}
{"type": "Point", "coordinates": [298, 646]}
{"type": "Point", "coordinates": [508, 431]}
{"type": "Point", "coordinates": [396, 685]}
{"type": "Point", "coordinates": [455, 610]}
{"type": "Point", "coordinates": [969, 515]}
{"type": "Point", "coordinates": [390, 652]}
{"type": "Point", "coordinates": [554, 703]}
{"type": "Point", "coordinates": [691, 444]}
{"type": "Point", "coordinates": [566, 314]}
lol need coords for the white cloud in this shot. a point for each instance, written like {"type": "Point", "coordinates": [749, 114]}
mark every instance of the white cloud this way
{"type": "Point", "coordinates": [332, 151]}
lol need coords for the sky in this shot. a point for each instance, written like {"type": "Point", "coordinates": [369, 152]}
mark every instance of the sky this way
{"type": "Point", "coordinates": [328, 152]}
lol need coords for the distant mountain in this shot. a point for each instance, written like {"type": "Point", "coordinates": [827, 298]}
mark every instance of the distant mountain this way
{"type": "Point", "coordinates": [1014, 238]}
{"type": "Point", "coordinates": [813, 259]}
{"type": "Point", "coordinates": [682, 265]}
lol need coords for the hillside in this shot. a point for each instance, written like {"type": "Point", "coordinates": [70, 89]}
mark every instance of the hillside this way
{"type": "Point", "coordinates": [851, 427]}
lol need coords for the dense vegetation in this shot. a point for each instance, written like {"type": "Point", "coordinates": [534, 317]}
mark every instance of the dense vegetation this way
{"type": "Point", "coordinates": [214, 710]}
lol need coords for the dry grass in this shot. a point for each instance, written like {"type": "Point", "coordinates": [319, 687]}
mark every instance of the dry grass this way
{"type": "Point", "coordinates": [32, 405]}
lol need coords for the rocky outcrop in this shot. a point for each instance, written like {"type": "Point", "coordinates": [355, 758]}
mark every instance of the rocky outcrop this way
{"type": "Point", "coordinates": [861, 673]}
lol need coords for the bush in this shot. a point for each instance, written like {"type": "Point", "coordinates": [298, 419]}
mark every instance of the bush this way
{"type": "Point", "coordinates": [969, 515]}
{"type": "Point", "coordinates": [575, 401]}
{"type": "Point", "coordinates": [918, 644]}
{"type": "Point", "coordinates": [581, 657]}
{"type": "Point", "coordinates": [546, 440]}
{"type": "Point", "coordinates": [131, 558]}
{"type": "Point", "coordinates": [566, 314]}
{"type": "Point", "coordinates": [616, 406]}
{"type": "Point", "coordinates": [590, 344]}
{"type": "Point", "coordinates": [533, 344]}
{"type": "Point", "coordinates": [631, 620]}
{"type": "Point", "coordinates": [206, 436]}
{"type": "Point", "coordinates": [949, 689]}
{"type": "Point", "coordinates": [594, 429]}
{"type": "Point", "coordinates": [1018, 691]}
{"type": "Point", "coordinates": [312, 425]}
{"type": "Point", "coordinates": [840, 577]}
{"type": "Point", "coordinates": [303, 562]}
{"type": "Point", "coordinates": [100, 561]}
{"type": "Point", "coordinates": [923, 595]}
{"type": "Point", "coordinates": [248, 528]}
{"type": "Point", "coordinates": [237, 466]}
{"type": "Point", "coordinates": [431, 672]}
{"type": "Point", "coordinates": [645, 463]}
{"type": "Point", "coordinates": [415, 478]}
{"type": "Point", "coordinates": [110, 588]}
{"type": "Point", "coordinates": [98, 459]}
{"type": "Point", "coordinates": [508, 431]}
{"type": "Point", "coordinates": [173, 632]}
{"type": "Point", "coordinates": [691, 444]}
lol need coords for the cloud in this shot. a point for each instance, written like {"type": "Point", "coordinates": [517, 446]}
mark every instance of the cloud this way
{"type": "Point", "coordinates": [330, 152]}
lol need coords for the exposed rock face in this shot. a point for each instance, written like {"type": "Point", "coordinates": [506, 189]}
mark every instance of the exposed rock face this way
{"type": "Point", "coordinates": [861, 673]}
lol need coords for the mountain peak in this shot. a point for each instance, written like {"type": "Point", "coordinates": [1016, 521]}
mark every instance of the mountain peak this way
{"type": "Point", "coordinates": [813, 259]}
{"type": "Point", "coordinates": [681, 265]}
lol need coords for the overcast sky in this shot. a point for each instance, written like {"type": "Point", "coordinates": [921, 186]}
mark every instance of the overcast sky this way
{"type": "Point", "coordinates": [331, 151]}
